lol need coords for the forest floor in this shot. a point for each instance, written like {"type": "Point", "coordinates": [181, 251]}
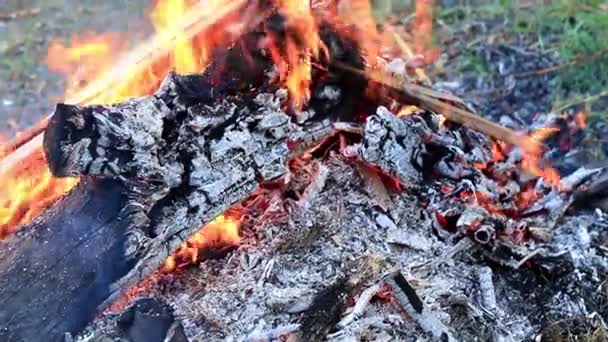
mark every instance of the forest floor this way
{"type": "Point", "coordinates": [28, 90]}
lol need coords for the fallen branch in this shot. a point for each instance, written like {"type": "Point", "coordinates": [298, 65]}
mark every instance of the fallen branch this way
{"type": "Point", "coordinates": [28, 12]}
{"type": "Point", "coordinates": [429, 99]}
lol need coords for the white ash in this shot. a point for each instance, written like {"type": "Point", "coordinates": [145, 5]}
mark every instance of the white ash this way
{"type": "Point", "coordinates": [268, 284]}
{"type": "Point", "coordinates": [331, 93]}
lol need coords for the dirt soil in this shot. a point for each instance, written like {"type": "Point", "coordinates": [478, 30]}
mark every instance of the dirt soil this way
{"type": "Point", "coordinates": [28, 90]}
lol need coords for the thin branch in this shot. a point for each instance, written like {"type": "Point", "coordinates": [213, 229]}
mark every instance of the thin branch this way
{"type": "Point", "coordinates": [435, 101]}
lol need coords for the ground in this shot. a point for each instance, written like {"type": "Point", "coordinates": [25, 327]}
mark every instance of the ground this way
{"type": "Point", "coordinates": [28, 90]}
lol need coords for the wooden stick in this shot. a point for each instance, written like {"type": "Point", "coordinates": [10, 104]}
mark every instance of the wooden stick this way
{"type": "Point", "coordinates": [200, 17]}
{"type": "Point", "coordinates": [407, 51]}
{"type": "Point", "coordinates": [435, 101]}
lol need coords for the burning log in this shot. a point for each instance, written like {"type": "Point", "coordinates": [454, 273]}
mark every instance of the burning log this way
{"type": "Point", "coordinates": [201, 160]}
{"type": "Point", "coordinates": [177, 159]}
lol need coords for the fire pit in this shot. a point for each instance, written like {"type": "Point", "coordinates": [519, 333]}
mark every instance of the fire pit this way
{"type": "Point", "coordinates": [338, 204]}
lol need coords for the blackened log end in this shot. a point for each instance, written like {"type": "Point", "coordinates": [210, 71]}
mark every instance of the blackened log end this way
{"type": "Point", "coordinates": [55, 134]}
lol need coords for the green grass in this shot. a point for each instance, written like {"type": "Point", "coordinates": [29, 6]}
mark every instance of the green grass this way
{"type": "Point", "coordinates": [19, 52]}
{"type": "Point", "coordinates": [578, 30]}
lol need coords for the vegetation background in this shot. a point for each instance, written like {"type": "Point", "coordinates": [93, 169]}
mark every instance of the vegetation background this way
{"type": "Point", "coordinates": [574, 31]}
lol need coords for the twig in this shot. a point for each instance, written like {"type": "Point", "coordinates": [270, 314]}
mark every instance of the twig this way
{"type": "Point", "coordinates": [486, 287]}
{"type": "Point", "coordinates": [462, 245]}
{"type": "Point", "coordinates": [530, 255]}
{"type": "Point", "coordinates": [272, 334]}
{"type": "Point", "coordinates": [407, 298]}
{"type": "Point", "coordinates": [407, 51]}
{"type": "Point", "coordinates": [22, 138]}
{"type": "Point", "coordinates": [587, 99]}
{"type": "Point", "coordinates": [421, 97]}
{"type": "Point", "coordinates": [360, 305]}
{"type": "Point", "coordinates": [576, 60]}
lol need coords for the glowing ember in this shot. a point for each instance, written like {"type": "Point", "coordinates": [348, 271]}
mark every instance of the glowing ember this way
{"type": "Point", "coordinates": [220, 233]}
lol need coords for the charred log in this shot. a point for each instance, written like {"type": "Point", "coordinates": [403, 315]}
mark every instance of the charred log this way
{"type": "Point", "coordinates": [56, 271]}
{"type": "Point", "coordinates": [174, 161]}
{"type": "Point", "coordinates": [181, 164]}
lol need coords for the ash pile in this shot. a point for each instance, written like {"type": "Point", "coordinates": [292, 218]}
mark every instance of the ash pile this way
{"type": "Point", "coordinates": [379, 226]}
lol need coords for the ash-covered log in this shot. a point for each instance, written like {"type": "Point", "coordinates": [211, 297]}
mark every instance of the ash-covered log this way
{"type": "Point", "coordinates": [105, 236]}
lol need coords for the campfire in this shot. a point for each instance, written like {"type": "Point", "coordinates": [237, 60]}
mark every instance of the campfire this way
{"type": "Point", "coordinates": [282, 170]}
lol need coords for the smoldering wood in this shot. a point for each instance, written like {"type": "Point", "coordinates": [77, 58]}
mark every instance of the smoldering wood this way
{"type": "Point", "coordinates": [251, 293]}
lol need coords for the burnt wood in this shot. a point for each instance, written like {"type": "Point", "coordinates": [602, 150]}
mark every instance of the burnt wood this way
{"type": "Point", "coordinates": [56, 271]}
{"type": "Point", "coordinates": [164, 165]}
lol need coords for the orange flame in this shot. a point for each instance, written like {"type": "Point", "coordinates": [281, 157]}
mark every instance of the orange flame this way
{"type": "Point", "coordinates": [30, 188]}
{"type": "Point", "coordinates": [221, 232]}
{"type": "Point", "coordinates": [580, 119]}
{"type": "Point", "coordinates": [88, 56]}
{"type": "Point", "coordinates": [533, 163]}
{"type": "Point", "coordinates": [27, 191]}
{"type": "Point", "coordinates": [302, 43]}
